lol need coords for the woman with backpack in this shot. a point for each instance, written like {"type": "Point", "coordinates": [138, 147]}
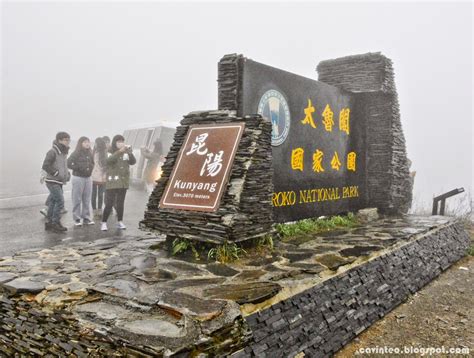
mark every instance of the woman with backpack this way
{"type": "Point", "coordinates": [119, 159]}
{"type": "Point", "coordinates": [81, 162]}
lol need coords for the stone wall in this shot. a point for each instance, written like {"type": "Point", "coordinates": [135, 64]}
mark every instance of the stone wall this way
{"type": "Point", "coordinates": [27, 329]}
{"type": "Point", "coordinates": [370, 78]}
{"type": "Point", "coordinates": [322, 319]}
{"type": "Point", "coordinates": [229, 80]}
{"type": "Point", "coordinates": [245, 211]}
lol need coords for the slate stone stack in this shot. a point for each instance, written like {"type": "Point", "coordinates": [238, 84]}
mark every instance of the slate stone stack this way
{"type": "Point", "coordinates": [28, 331]}
{"type": "Point", "coordinates": [245, 210]}
{"type": "Point", "coordinates": [230, 72]}
{"type": "Point", "coordinates": [370, 78]}
{"type": "Point", "coordinates": [322, 319]}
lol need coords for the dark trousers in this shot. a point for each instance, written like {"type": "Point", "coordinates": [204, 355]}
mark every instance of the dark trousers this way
{"type": "Point", "coordinates": [55, 202]}
{"type": "Point", "coordinates": [114, 198]}
{"type": "Point", "coordinates": [97, 195]}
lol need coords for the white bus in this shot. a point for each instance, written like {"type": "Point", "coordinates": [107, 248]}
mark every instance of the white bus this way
{"type": "Point", "coordinates": [146, 136]}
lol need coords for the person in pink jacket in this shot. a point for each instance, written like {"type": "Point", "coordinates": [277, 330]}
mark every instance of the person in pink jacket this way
{"type": "Point", "coordinates": [99, 176]}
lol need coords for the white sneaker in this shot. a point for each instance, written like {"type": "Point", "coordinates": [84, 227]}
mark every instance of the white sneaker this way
{"type": "Point", "coordinates": [121, 225]}
{"type": "Point", "coordinates": [77, 223]}
{"type": "Point", "coordinates": [88, 222]}
{"type": "Point", "coordinates": [44, 212]}
{"type": "Point", "coordinates": [104, 227]}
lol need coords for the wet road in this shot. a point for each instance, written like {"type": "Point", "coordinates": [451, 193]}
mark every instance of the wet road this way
{"type": "Point", "coordinates": [22, 225]}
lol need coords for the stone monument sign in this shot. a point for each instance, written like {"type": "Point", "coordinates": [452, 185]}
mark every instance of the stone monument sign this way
{"type": "Point", "coordinates": [336, 147]}
{"type": "Point", "coordinates": [283, 147]}
{"type": "Point", "coordinates": [204, 163]}
{"type": "Point", "coordinates": [217, 180]}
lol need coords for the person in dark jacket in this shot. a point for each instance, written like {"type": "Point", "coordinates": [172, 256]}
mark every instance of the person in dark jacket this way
{"type": "Point", "coordinates": [150, 173]}
{"type": "Point", "coordinates": [81, 161]}
{"type": "Point", "coordinates": [55, 166]}
{"type": "Point", "coordinates": [119, 160]}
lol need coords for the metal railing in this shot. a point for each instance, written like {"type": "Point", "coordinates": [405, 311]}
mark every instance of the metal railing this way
{"type": "Point", "coordinates": [443, 198]}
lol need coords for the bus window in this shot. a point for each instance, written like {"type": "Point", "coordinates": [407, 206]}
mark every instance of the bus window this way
{"type": "Point", "coordinates": [149, 136]}
{"type": "Point", "coordinates": [126, 134]}
{"type": "Point", "coordinates": [140, 139]}
{"type": "Point", "coordinates": [156, 135]}
{"type": "Point", "coordinates": [132, 137]}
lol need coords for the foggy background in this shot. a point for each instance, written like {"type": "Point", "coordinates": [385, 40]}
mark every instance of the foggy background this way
{"type": "Point", "coordinates": [97, 69]}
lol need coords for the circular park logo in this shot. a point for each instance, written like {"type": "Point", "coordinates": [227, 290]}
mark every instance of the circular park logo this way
{"type": "Point", "coordinates": [273, 106]}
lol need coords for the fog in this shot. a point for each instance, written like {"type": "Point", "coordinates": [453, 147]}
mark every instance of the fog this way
{"type": "Point", "coordinates": [99, 68]}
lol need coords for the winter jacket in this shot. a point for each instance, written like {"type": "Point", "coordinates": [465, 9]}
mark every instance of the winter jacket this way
{"type": "Point", "coordinates": [81, 163]}
{"type": "Point", "coordinates": [118, 170]}
{"type": "Point", "coordinates": [55, 164]}
{"type": "Point", "coordinates": [98, 173]}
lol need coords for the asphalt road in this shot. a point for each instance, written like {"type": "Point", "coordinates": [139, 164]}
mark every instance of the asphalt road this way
{"type": "Point", "coordinates": [22, 225]}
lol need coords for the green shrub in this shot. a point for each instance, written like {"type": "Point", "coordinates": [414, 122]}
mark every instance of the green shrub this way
{"type": "Point", "coordinates": [265, 243]}
{"type": "Point", "coordinates": [470, 251]}
{"type": "Point", "coordinates": [307, 226]}
{"type": "Point", "coordinates": [227, 252]}
{"type": "Point", "coordinates": [180, 246]}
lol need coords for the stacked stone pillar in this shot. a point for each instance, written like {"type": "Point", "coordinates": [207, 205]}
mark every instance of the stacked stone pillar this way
{"type": "Point", "coordinates": [370, 78]}
{"type": "Point", "coordinates": [245, 210]}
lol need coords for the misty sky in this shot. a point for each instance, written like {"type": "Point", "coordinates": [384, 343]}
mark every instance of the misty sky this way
{"type": "Point", "coordinates": [98, 68]}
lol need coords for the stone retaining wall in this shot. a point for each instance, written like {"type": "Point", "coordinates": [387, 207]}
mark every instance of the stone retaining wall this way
{"type": "Point", "coordinates": [322, 319]}
{"type": "Point", "coordinates": [27, 329]}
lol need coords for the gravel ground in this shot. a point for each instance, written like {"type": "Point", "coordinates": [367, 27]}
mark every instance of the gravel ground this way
{"type": "Point", "coordinates": [441, 314]}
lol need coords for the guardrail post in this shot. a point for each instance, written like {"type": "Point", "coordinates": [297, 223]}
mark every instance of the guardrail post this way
{"type": "Point", "coordinates": [443, 198]}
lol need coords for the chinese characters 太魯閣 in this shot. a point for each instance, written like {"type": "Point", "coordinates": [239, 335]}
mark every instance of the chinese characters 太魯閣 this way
{"type": "Point", "coordinates": [327, 120]}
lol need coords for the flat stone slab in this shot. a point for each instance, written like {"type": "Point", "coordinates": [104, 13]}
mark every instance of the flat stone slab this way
{"type": "Point", "coordinates": [245, 293]}
{"type": "Point", "coordinates": [312, 268]}
{"type": "Point", "coordinates": [182, 303]}
{"type": "Point", "coordinates": [6, 276]}
{"type": "Point", "coordinates": [102, 310]}
{"type": "Point", "coordinates": [221, 269]}
{"type": "Point", "coordinates": [153, 327]}
{"type": "Point", "coordinates": [118, 287]}
{"type": "Point", "coordinates": [333, 261]}
{"type": "Point", "coordinates": [153, 275]}
{"type": "Point", "coordinates": [359, 250]}
{"type": "Point", "coordinates": [300, 255]}
{"type": "Point", "coordinates": [24, 285]}
{"type": "Point", "coordinates": [251, 275]}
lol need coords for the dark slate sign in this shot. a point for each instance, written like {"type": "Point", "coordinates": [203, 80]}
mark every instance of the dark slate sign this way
{"type": "Point", "coordinates": [317, 142]}
{"type": "Point", "coordinates": [203, 166]}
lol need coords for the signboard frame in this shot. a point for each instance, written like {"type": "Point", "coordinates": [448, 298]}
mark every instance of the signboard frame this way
{"type": "Point", "coordinates": [168, 202]}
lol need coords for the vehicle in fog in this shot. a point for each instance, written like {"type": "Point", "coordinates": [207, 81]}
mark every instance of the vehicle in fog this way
{"type": "Point", "coordinates": [144, 137]}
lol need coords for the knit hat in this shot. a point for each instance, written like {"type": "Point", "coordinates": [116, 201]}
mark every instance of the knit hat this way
{"type": "Point", "coordinates": [62, 135]}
